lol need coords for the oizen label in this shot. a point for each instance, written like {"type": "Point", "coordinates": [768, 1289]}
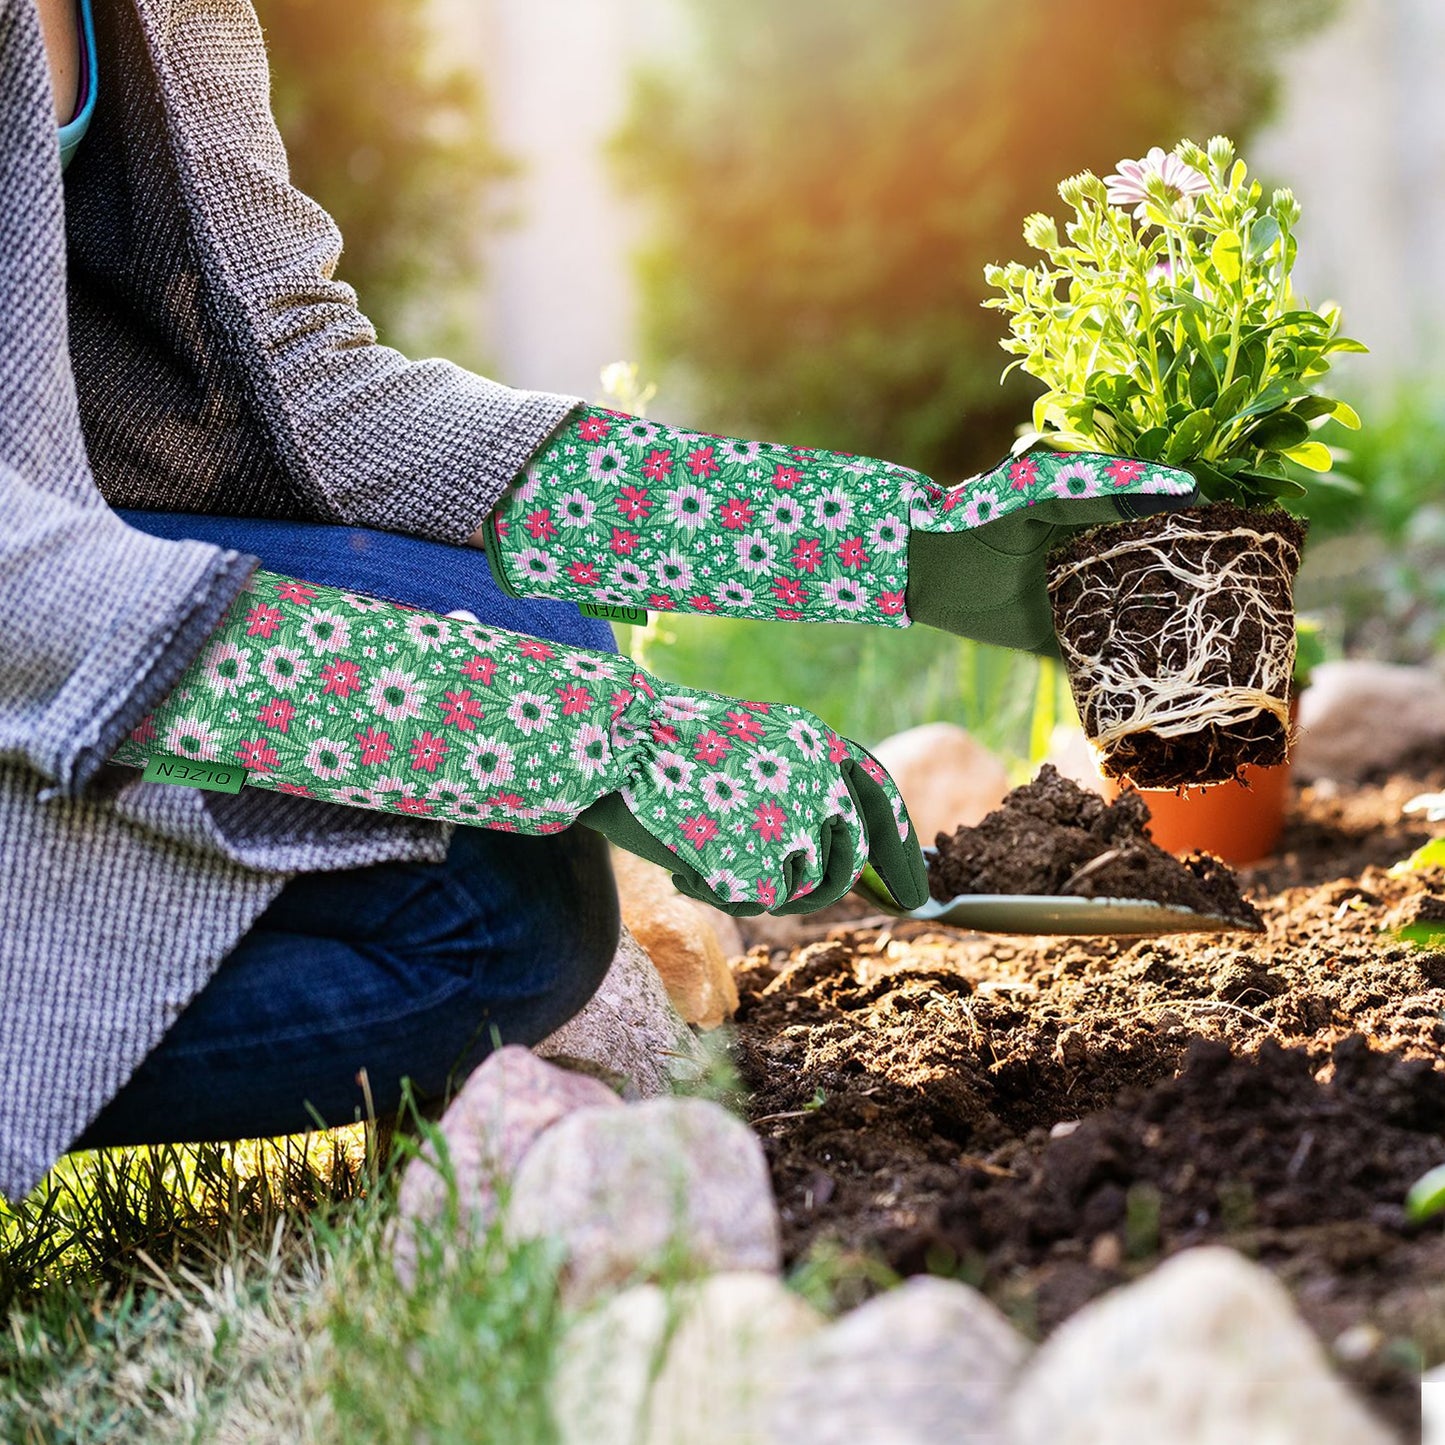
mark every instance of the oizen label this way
{"type": "Point", "coordinates": [632, 616]}
{"type": "Point", "coordinates": [193, 773]}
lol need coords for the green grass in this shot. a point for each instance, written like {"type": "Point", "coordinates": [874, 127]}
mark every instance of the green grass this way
{"type": "Point", "coordinates": [246, 1293]}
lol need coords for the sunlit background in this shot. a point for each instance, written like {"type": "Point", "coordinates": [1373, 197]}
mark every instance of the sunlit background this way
{"type": "Point", "coordinates": [781, 210]}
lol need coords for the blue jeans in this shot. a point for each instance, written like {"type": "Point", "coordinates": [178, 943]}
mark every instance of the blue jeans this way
{"type": "Point", "coordinates": [408, 970]}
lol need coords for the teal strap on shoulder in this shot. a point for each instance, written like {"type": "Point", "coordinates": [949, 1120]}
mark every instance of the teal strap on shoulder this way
{"type": "Point", "coordinates": [73, 131]}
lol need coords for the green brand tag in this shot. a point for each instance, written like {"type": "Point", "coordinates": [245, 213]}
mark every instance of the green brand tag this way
{"type": "Point", "coordinates": [192, 773]}
{"type": "Point", "coordinates": [632, 616]}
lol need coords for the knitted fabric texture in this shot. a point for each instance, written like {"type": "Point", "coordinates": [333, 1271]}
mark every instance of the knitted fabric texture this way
{"type": "Point", "coordinates": [215, 365]}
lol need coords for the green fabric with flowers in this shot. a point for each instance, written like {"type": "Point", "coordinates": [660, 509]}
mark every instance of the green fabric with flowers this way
{"type": "Point", "coordinates": [615, 510]}
{"type": "Point", "coordinates": [348, 698]}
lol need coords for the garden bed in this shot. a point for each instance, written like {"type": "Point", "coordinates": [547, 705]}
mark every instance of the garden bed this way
{"type": "Point", "coordinates": [1049, 1118]}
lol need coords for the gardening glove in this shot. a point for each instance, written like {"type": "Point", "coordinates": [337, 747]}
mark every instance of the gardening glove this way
{"type": "Point", "coordinates": [351, 699]}
{"type": "Point", "coordinates": [617, 512]}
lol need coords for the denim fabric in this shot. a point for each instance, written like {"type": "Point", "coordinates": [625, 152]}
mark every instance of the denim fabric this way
{"type": "Point", "coordinates": [399, 969]}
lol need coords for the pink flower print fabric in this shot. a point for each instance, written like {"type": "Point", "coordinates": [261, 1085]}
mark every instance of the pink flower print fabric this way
{"type": "Point", "coordinates": [354, 700]}
{"type": "Point", "coordinates": [615, 510]}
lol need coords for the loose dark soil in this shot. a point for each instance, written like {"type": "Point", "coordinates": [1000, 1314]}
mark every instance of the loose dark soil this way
{"type": "Point", "coordinates": [1048, 1118]}
{"type": "Point", "coordinates": [1130, 605]}
{"type": "Point", "coordinates": [1053, 837]}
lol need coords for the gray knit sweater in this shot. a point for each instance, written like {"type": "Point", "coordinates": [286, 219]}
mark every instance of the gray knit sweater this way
{"type": "Point", "coordinates": [171, 336]}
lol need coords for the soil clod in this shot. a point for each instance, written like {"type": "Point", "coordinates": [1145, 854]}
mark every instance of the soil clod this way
{"type": "Point", "coordinates": [1053, 837]}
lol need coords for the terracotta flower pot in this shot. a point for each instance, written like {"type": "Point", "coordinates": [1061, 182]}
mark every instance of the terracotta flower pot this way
{"type": "Point", "coordinates": [1237, 823]}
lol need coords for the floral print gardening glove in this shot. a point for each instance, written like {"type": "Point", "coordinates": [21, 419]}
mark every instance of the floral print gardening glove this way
{"type": "Point", "coordinates": [617, 511]}
{"type": "Point", "coordinates": [335, 695]}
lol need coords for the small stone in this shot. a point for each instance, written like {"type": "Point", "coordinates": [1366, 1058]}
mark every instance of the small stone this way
{"type": "Point", "coordinates": [927, 1363]}
{"type": "Point", "coordinates": [1357, 716]}
{"type": "Point", "coordinates": [1064, 1128]}
{"type": "Point", "coordinates": [947, 778]}
{"type": "Point", "coordinates": [629, 1035]}
{"type": "Point", "coordinates": [684, 938]}
{"type": "Point", "coordinates": [730, 1342]}
{"type": "Point", "coordinates": [1205, 1350]}
{"type": "Point", "coordinates": [1106, 1252]}
{"type": "Point", "coordinates": [663, 1188]}
{"type": "Point", "coordinates": [1071, 1048]}
{"type": "Point", "coordinates": [501, 1111]}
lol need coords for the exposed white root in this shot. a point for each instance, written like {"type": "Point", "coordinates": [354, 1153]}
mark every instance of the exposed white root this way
{"type": "Point", "coordinates": [1119, 689]}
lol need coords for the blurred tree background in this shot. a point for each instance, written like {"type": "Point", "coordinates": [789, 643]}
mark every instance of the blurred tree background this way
{"type": "Point", "coordinates": [397, 147]}
{"type": "Point", "coordinates": [827, 178]}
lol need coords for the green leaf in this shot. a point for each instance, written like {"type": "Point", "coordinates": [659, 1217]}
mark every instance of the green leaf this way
{"type": "Point", "coordinates": [1262, 235]}
{"type": "Point", "coordinates": [1277, 487]}
{"type": "Point", "coordinates": [1227, 256]}
{"type": "Point", "coordinates": [1344, 343]}
{"type": "Point", "coordinates": [1192, 435]}
{"type": "Point", "coordinates": [1151, 444]}
{"type": "Point", "coordinates": [1278, 432]}
{"type": "Point", "coordinates": [1430, 855]}
{"type": "Point", "coordinates": [1312, 407]}
{"type": "Point", "coordinates": [1346, 416]}
{"type": "Point", "coordinates": [1203, 384]}
{"type": "Point", "coordinates": [1216, 485]}
{"type": "Point", "coordinates": [1315, 456]}
{"type": "Point", "coordinates": [1427, 1196]}
{"type": "Point", "coordinates": [1227, 407]}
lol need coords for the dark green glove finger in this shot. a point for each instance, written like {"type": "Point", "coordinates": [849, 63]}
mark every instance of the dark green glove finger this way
{"type": "Point", "coordinates": [897, 861]}
{"type": "Point", "coordinates": [835, 868]}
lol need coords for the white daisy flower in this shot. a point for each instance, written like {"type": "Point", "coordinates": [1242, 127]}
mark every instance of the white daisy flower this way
{"type": "Point", "coordinates": [673, 572]}
{"type": "Point", "coordinates": [358, 602]}
{"type": "Point", "coordinates": [784, 516]}
{"type": "Point", "coordinates": [844, 594]}
{"type": "Point", "coordinates": [770, 770]}
{"type": "Point", "coordinates": [226, 668]}
{"type": "Point", "coordinates": [982, 507]}
{"type": "Point", "coordinates": [395, 694]}
{"type": "Point", "coordinates": [754, 552]}
{"type": "Point", "coordinates": [326, 631]}
{"type": "Point", "coordinates": [591, 751]}
{"type": "Point", "coordinates": [531, 712]}
{"type": "Point", "coordinates": [579, 664]}
{"type": "Point", "coordinates": [576, 509]}
{"type": "Point", "coordinates": [734, 594]}
{"type": "Point", "coordinates": [671, 771]}
{"type": "Point", "coordinates": [283, 667]}
{"type": "Point", "coordinates": [192, 739]}
{"type": "Point", "coordinates": [807, 739]}
{"type": "Point", "coordinates": [628, 577]}
{"type": "Point", "coordinates": [738, 451]}
{"type": "Point", "coordinates": [329, 759]}
{"type": "Point", "coordinates": [428, 633]}
{"type": "Point", "coordinates": [489, 761]}
{"type": "Point", "coordinates": [688, 506]}
{"type": "Point", "coordinates": [887, 535]}
{"type": "Point", "coordinates": [722, 793]}
{"type": "Point", "coordinates": [641, 432]}
{"type": "Point", "coordinates": [605, 463]}
{"type": "Point", "coordinates": [832, 510]}
{"type": "Point", "coordinates": [536, 566]}
{"type": "Point", "coordinates": [1076, 479]}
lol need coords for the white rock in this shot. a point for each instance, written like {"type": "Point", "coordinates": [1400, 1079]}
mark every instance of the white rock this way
{"type": "Point", "coordinates": [928, 1363]}
{"type": "Point", "coordinates": [946, 777]}
{"type": "Point", "coordinates": [684, 938]}
{"type": "Point", "coordinates": [629, 1034]}
{"type": "Point", "coordinates": [697, 1365]}
{"type": "Point", "coordinates": [1205, 1350]}
{"type": "Point", "coordinates": [647, 1192]}
{"type": "Point", "coordinates": [501, 1111]}
{"type": "Point", "coordinates": [1359, 715]}
{"type": "Point", "coordinates": [1070, 753]}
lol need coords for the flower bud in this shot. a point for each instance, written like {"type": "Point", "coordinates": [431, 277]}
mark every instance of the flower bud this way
{"type": "Point", "coordinates": [1284, 206]}
{"type": "Point", "coordinates": [1040, 232]}
{"type": "Point", "coordinates": [1192, 156]}
{"type": "Point", "coordinates": [1221, 153]}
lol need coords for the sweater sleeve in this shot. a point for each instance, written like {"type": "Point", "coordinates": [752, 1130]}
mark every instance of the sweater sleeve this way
{"type": "Point", "coordinates": [99, 622]}
{"type": "Point", "coordinates": [421, 447]}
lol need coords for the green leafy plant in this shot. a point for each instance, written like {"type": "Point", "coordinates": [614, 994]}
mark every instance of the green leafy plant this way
{"type": "Point", "coordinates": [1171, 331]}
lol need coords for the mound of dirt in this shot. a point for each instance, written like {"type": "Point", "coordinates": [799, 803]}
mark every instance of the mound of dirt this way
{"type": "Point", "coordinates": [1048, 1118]}
{"type": "Point", "coordinates": [1053, 837]}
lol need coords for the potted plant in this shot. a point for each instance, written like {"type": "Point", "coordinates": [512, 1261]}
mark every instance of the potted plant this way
{"type": "Point", "coordinates": [1163, 326]}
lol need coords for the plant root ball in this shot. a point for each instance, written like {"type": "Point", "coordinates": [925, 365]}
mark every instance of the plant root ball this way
{"type": "Point", "coordinates": [1178, 635]}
